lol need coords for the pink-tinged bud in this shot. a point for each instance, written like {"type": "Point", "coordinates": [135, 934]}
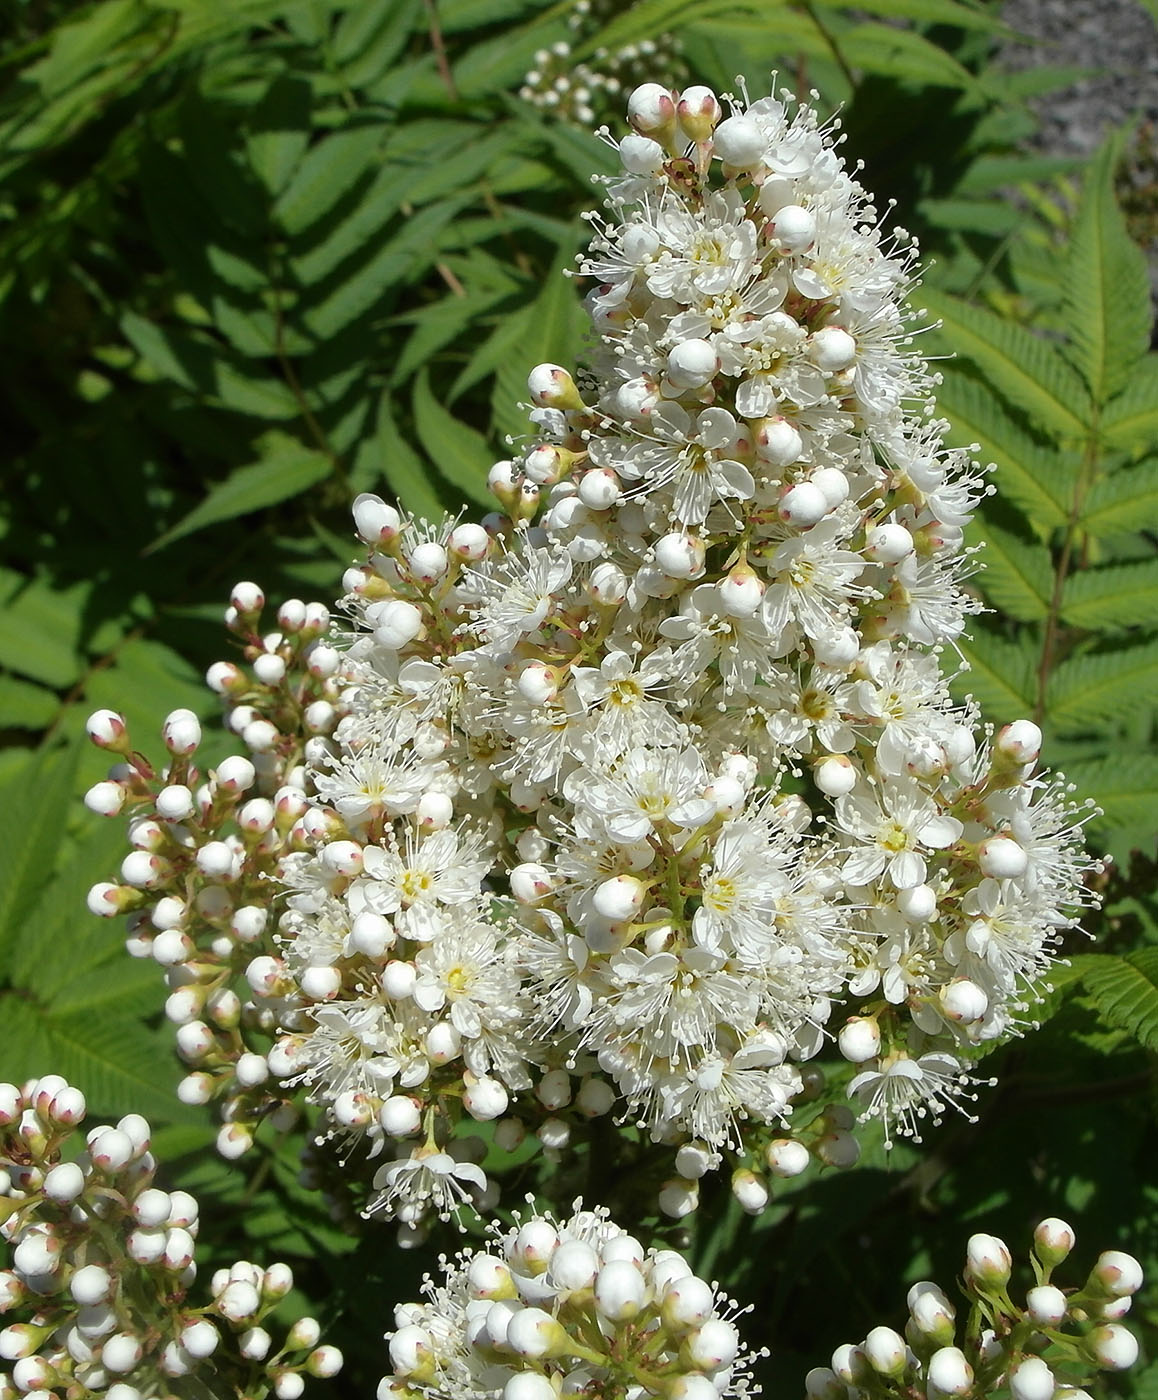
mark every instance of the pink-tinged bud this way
{"type": "Point", "coordinates": [224, 677]}
{"type": "Point", "coordinates": [530, 882]}
{"type": "Point", "coordinates": [692, 364]}
{"type": "Point", "coordinates": [888, 544]}
{"type": "Point", "coordinates": [247, 600]}
{"type": "Point", "coordinates": [428, 562]}
{"type": "Point", "coordinates": [949, 1373]}
{"type": "Point", "coordinates": [599, 488]}
{"type": "Point", "coordinates": [105, 799]}
{"type": "Point", "coordinates": [1031, 1379]}
{"type": "Point", "coordinates": [607, 584]}
{"type": "Point", "coordinates": [698, 112]}
{"type": "Point", "coordinates": [595, 1098]}
{"type": "Point", "coordinates": [107, 730]}
{"type": "Point", "coordinates": [485, 1099]}
{"type": "Point", "coordinates": [678, 1199]}
{"type": "Point", "coordinates": [321, 983]}
{"type": "Point", "coordinates": [266, 976]}
{"type": "Point", "coordinates": [963, 1001]}
{"type": "Point", "coordinates": [885, 1351]}
{"type": "Point", "coordinates": [1116, 1274]}
{"type": "Point", "coordinates": [833, 483]}
{"type": "Point", "coordinates": [291, 616]}
{"type": "Point", "coordinates": [67, 1107]}
{"type": "Point", "coordinates": [988, 1262]}
{"type": "Point", "coordinates": [327, 1361]}
{"type": "Point", "coordinates": [11, 1104]}
{"type": "Point", "coordinates": [739, 142]}
{"type": "Point", "coordinates": [1046, 1305]}
{"type": "Point", "coordinates": [750, 1192]}
{"type": "Point", "coordinates": [469, 543]}
{"type": "Point", "coordinates": [144, 870]}
{"type": "Point", "coordinates": [269, 669]}
{"type": "Point", "coordinates": [1113, 1348]}
{"type": "Point", "coordinates": [111, 1150]}
{"type": "Point", "coordinates": [1019, 741]}
{"type": "Point", "coordinates": [181, 732]}
{"type": "Point", "coordinates": [651, 110]}
{"type": "Point", "coordinates": [777, 441]}
{"type": "Point", "coordinates": [793, 228]}
{"type": "Point", "coordinates": [714, 1345]}
{"type": "Point", "coordinates": [835, 775]}
{"type": "Point", "coordinates": [741, 591]}
{"type": "Point", "coordinates": [342, 858]}
{"type": "Point", "coordinates": [1002, 858]}
{"type": "Point", "coordinates": [550, 386]}
{"type": "Point", "coordinates": [234, 1141]}
{"type": "Point", "coordinates": [375, 521]}
{"type": "Point", "coordinates": [802, 505]}
{"type": "Point", "coordinates": [538, 683]}
{"type": "Point", "coordinates": [234, 775]}
{"type": "Point", "coordinates": [619, 898]}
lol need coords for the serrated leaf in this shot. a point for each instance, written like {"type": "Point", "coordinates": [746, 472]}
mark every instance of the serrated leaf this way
{"type": "Point", "coordinates": [1017, 573]}
{"type": "Point", "coordinates": [390, 458]}
{"type": "Point", "coordinates": [24, 705]}
{"type": "Point", "coordinates": [1124, 786]}
{"type": "Point", "coordinates": [902, 53]}
{"type": "Point", "coordinates": [1086, 691]}
{"type": "Point", "coordinates": [647, 18]}
{"type": "Point", "coordinates": [459, 452]}
{"type": "Point", "coordinates": [34, 811]}
{"type": "Point", "coordinates": [963, 16]}
{"type": "Point", "coordinates": [40, 628]}
{"type": "Point", "coordinates": [1131, 419]}
{"type": "Point", "coordinates": [278, 131]}
{"type": "Point", "coordinates": [1022, 366]}
{"type": "Point", "coordinates": [285, 468]}
{"type": "Point", "coordinates": [1112, 596]}
{"type": "Point", "coordinates": [1123, 503]}
{"type": "Point", "coordinates": [1125, 991]}
{"type": "Point", "coordinates": [364, 287]}
{"type": "Point", "coordinates": [327, 171]}
{"type": "Point", "coordinates": [1107, 286]}
{"type": "Point", "coordinates": [1040, 481]}
{"type": "Point", "coordinates": [1000, 675]}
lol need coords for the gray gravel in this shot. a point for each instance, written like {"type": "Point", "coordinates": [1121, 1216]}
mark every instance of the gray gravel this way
{"type": "Point", "coordinates": [1118, 39]}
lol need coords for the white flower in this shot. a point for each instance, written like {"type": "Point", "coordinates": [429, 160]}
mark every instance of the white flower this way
{"type": "Point", "coordinates": [893, 826]}
{"type": "Point", "coordinates": [412, 880]}
{"type": "Point", "coordinates": [427, 1180]}
{"type": "Point", "coordinates": [904, 1092]}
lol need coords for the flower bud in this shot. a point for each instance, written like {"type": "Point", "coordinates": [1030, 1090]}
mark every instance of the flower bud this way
{"type": "Point", "coordinates": [620, 1291]}
{"type": "Point", "coordinates": [949, 1373]}
{"type": "Point", "coordinates": [485, 1099]}
{"type": "Point", "coordinates": [786, 1157]}
{"type": "Point", "coordinates": [469, 542]}
{"type": "Point", "coordinates": [859, 1039]}
{"type": "Point", "coordinates": [1019, 741]}
{"type": "Point", "coordinates": [680, 555]}
{"type": "Point", "coordinates": [599, 488]}
{"type": "Point", "coordinates": [802, 505]}
{"type": "Point", "coordinates": [885, 1351]}
{"type": "Point", "coordinates": [749, 1191]}
{"type": "Point", "coordinates": [698, 111]}
{"type": "Point", "coordinates": [550, 386]}
{"type": "Point", "coordinates": [619, 898]}
{"type": "Point", "coordinates": [397, 624]}
{"type": "Point", "coordinates": [835, 775]}
{"type": "Point", "coordinates": [1031, 1379]}
{"type": "Point", "coordinates": [650, 109]}
{"type": "Point", "coordinates": [573, 1266]}
{"type": "Point", "coordinates": [888, 544]}
{"type": "Point", "coordinates": [963, 1001]}
{"type": "Point", "coordinates": [1116, 1274]}
{"type": "Point", "coordinates": [794, 228]}
{"type": "Point", "coordinates": [739, 142]}
{"type": "Point", "coordinates": [678, 1198]}
{"type": "Point", "coordinates": [1002, 858]}
{"type": "Point", "coordinates": [640, 155]}
{"type": "Point", "coordinates": [714, 1345]}
{"type": "Point", "coordinates": [1052, 1241]}
{"type": "Point", "coordinates": [831, 349]}
{"type": "Point", "coordinates": [777, 441]}
{"type": "Point", "coordinates": [181, 732]}
{"type": "Point", "coordinates": [105, 799]}
{"type": "Point", "coordinates": [428, 562]}
{"type": "Point", "coordinates": [1046, 1305]}
{"type": "Point", "coordinates": [107, 730]}
{"type": "Point", "coordinates": [988, 1262]}
{"type": "Point", "coordinates": [1114, 1348]}
{"type": "Point", "coordinates": [692, 364]}
{"type": "Point", "coordinates": [375, 521]}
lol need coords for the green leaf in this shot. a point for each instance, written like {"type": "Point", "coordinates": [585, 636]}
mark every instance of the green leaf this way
{"type": "Point", "coordinates": [40, 628]}
{"type": "Point", "coordinates": [389, 457]}
{"type": "Point", "coordinates": [24, 705]}
{"type": "Point", "coordinates": [278, 131]}
{"type": "Point", "coordinates": [1112, 596]}
{"type": "Point", "coordinates": [1000, 675]}
{"type": "Point", "coordinates": [1125, 787]}
{"type": "Point", "coordinates": [1020, 365]}
{"type": "Point", "coordinates": [1123, 503]}
{"type": "Point", "coordinates": [1018, 572]}
{"type": "Point", "coordinates": [1131, 420]}
{"type": "Point", "coordinates": [902, 53]}
{"type": "Point", "coordinates": [459, 452]}
{"type": "Point", "coordinates": [648, 18]}
{"type": "Point", "coordinates": [1040, 481]}
{"type": "Point", "coordinates": [1086, 691]}
{"type": "Point", "coordinates": [1125, 991]}
{"type": "Point", "coordinates": [34, 810]}
{"type": "Point", "coordinates": [286, 468]}
{"type": "Point", "coordinates": [327, 172]}
{"type": "Point", "coordinates": [1107, 286]}
{"type": "Point", "coordinates": [963, 16]}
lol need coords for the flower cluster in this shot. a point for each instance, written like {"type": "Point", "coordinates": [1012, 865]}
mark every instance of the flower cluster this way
{"type": "Point", "coordinates": [575, 1307]}
{"type": "Point", "coordinates": [102, 1262]}
{"type": "Point", "coordinates": [579, 91]}
{"type": "Point", "coordinates": [197, 883]}
{"type": "Point", "coordinates": [1042, 1350]}
{"type": "Point", "coordinates": [622, 791]}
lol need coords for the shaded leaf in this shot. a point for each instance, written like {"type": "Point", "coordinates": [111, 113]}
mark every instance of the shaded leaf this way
{"type": "Point", "coordinates": [1125, 990]}
{"type": "Point", "coordinates": [1085, 691]}
{"type": "Point", "coordinates": [459, 452]}
{"type": "Point", "coordinates": [1124, 502]}
{"type": "Point", "coordinates": [1112, 596]}
{"type": "Point", "coordinates": [34, 810]}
